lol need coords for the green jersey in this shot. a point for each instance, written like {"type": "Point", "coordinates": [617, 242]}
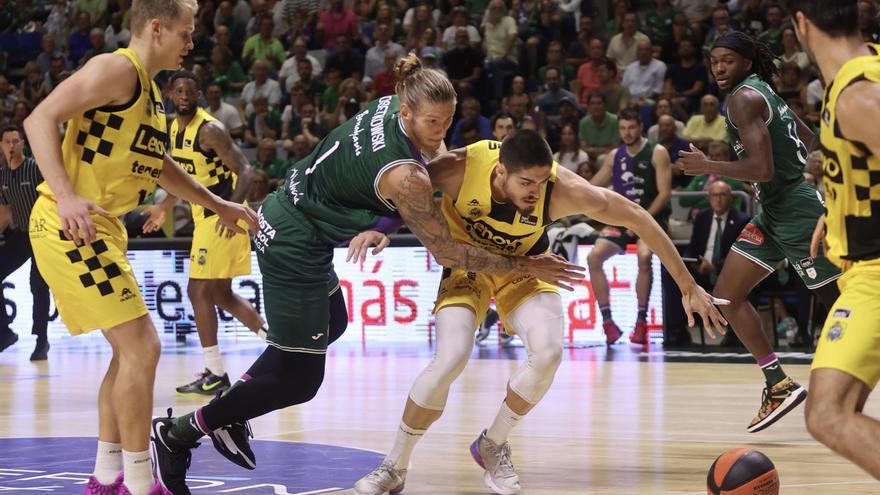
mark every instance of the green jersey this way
{"type": "Point", "coordinates": [337, 185]}
{"type": "Point", "coordinates": [789, 152]}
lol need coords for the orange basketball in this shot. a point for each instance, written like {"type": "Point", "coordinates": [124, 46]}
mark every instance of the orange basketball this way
{"type": "Point", "coordinates": [742, 472]}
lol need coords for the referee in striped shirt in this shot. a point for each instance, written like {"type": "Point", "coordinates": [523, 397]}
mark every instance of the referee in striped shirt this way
{"type": "Point", "coordinates": [18, 192]}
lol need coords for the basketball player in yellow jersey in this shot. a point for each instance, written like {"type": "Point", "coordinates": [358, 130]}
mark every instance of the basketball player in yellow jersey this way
{"type": "Point", "coordinates": [111, 158]}
{"type": "Point", "coordinates": [500, 197]}
{"type": "Point", "coordinates": [846, 367]}
{"type": "Point", "coordinates": [202, 146]}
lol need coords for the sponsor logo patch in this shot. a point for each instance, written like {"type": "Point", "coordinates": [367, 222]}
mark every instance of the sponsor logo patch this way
{"type": "Point", "coordinates": [835, 333]}
{"type": "Point", "coordinates": [529, 220]}
{"type": "Point", "coordinates": [752, 235]}
{"type": "Point", "coordinates": [842, 313]}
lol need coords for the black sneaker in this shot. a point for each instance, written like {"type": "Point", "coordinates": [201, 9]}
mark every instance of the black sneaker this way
{"type": "Point", "coordinates": [7, 339]}
{"type": "Point", "coordinates": [207, 383]}
{"type": "Point", "coordinates": [232, 442]}
{"type": "Point", "coordinates": [171, 457]}
{"type": "Point", "coordinates": [506, 339]}
{"type": "Point", "coordinates": [488, 322]}
{"type": "Point", "coordinates": [41, 351]}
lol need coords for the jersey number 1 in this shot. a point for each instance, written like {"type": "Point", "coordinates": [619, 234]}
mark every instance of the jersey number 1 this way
{"type": "Point", "coordinates": [322, 158]}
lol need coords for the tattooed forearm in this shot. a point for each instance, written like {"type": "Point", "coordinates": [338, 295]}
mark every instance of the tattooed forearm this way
{"type": "Point", "coordinates": [415, 202]}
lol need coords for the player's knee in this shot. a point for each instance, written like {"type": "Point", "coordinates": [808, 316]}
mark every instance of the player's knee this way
{"type": "Point", "coordinates": [823, 419]}
{"type": "Point", "coordinates": [595, 260]}
{"type": "Point", "coordinates": [197, 290]}
{"type": "Point", "coordinates": [547, 359]}
{"type": "Point", "coordinates": [223, 296]}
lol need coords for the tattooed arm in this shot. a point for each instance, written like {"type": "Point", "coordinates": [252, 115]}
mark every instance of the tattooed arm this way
{"type": "Point", "coordinates": [409, 187]}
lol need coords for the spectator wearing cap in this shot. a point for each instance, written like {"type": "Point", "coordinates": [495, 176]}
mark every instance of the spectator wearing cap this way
{"type": "Point", "coordinates": [555, 60]}
{"type": "Point", "coordinates": [430, 56]}
{"type": "Point", "coordinates": [645, 76]}
{"type": "Point", "coordinates": [706, 127]}
{"type": "Point", "coordinates": [598, 130]}
{"type": "Point", "coordinates": [376, 55]}
{"type": "Point", "coordinates": [288, 74]}
{"type": "Point", "coordinates": [463, 62]}
{"type": "Point", "coordinates": [548, 102]}
{"type": "Point", "coordinates": [622, 47]}
{"type": "Point", "coordinates": [616, 96]}
{"type": "Point", "coordinates": [569, 113]}
{"type": "Point", "coordinates": [460, 20]}
{"type": "Point", "coordinates": [335, 22]}
{"type": "Point", "coordinates": [264, 46]}
{"type": "Point", "coordinates": [470, 115]}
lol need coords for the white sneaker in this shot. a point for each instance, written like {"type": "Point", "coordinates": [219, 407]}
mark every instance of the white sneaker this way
{"type": "Point", "coordinates": [384, 479]}
{"type": "Point", "coordinates": [500, 476]}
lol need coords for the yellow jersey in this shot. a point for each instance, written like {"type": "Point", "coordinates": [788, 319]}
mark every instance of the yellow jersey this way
{"type": "Point", "coordinates": [113, 154]}
{"type": "Point", "coordinates": [476, 219]}
{"type": "Point", "coordinates": [852, 173]}
{"type": "Point", "coordinates": [205, 166]}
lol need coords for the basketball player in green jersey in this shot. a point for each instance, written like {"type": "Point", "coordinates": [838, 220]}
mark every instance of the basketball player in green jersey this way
{"type": "Point", "coordinates": [369, 167]}
{"type": "Point", "coordinates": [771, 143]}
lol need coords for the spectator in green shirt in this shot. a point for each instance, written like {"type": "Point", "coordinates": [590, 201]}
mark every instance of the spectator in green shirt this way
{"type": "Point", "coordinates": [556, 60]}
{"type": "Point", "coordinates": [330, 97]}
{"type": "Point", "coordinates": [658, 22]}
{"type": "Point", "coordinates": [97, 10]}
{"type": "Point", "coordinates": [264, 46]}
{"type": "Point", "coordinates": [598, 130]}
{"type": "Point", "coordinates": [268, 161]}
{"type": "Point", "coordinates": [225, 72]}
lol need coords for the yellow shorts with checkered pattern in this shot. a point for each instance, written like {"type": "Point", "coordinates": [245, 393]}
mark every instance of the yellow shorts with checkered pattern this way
{"type": "Point", "coordinates": [93, 284]}
{"type": "Point", "coordinates": [473, 290]}
{"type": "Point", "coordinates": [850, 340]}
{"type": "Point", "coordinates": [213, 256]}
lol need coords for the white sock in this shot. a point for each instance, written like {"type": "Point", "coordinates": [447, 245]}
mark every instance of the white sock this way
{"type": "Point", "coordinates": [213, 360]}
{"type": "Point", "coordinates": [404, 443]}
{"type": "Point", "coordinates": [138, 472]}
{"type": "Point", "coordinates": [504, 422]}
{"type": "Point", "coordinates": [108, 462]}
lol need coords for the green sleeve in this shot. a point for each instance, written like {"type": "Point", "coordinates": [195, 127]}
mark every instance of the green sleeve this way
{"type": "Point", "coordinates": [696, 185]}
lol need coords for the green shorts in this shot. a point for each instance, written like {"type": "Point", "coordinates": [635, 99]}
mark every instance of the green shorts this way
{"type": "Point", "coordinates": [767, 243]}
{"type": "Point", "coordinates": [297, 270]}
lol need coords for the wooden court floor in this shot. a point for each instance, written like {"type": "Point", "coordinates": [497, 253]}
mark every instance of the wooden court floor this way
{"type": "Point", "coordinates": [606, 426]}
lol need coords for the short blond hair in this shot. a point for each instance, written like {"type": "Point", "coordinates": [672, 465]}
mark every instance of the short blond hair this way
{"type": "Point", "coordinates": [164, 10]}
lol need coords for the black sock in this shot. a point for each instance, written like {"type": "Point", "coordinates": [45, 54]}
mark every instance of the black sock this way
{"type": "Point", "coordinates": [643, 314]}
{"type": "Point", "coordinates": [606, 312]}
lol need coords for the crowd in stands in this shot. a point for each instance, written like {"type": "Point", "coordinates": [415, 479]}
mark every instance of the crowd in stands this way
{"type": "Point", "coordinates": [280, 73]}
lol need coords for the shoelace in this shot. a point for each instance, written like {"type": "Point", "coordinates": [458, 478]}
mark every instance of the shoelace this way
{"type": "Point", "coordinates": [377, 474]}
{"type": "Point", "coordinates": [505, 462]}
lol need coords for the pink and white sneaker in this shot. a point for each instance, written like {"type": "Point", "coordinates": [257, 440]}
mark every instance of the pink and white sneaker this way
{"type": "Point", "coordinates": [157, 489]}
{"type": "Point", "coordinates": [95, 487]}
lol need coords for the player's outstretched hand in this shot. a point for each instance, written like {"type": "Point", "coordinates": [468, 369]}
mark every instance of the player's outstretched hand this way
{"type": "Point", "coordinates": [156, 218]}
{"type": "Point", "coordinates": [697, 300]}
{"type": "Point", "coordinates": [230, 213]}
{"type": "Point", "coordinates": [554, 269]}
{"type": "Point", "coordinates": [357, 248]}
{"type": "Point", "coordinates": [76, 221]}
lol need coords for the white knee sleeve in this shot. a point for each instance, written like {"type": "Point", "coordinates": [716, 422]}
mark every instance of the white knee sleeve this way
{"type": "Point", "coordinates": [539, 324]}
{"type": "Point", "coordinates": [455, 341]}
